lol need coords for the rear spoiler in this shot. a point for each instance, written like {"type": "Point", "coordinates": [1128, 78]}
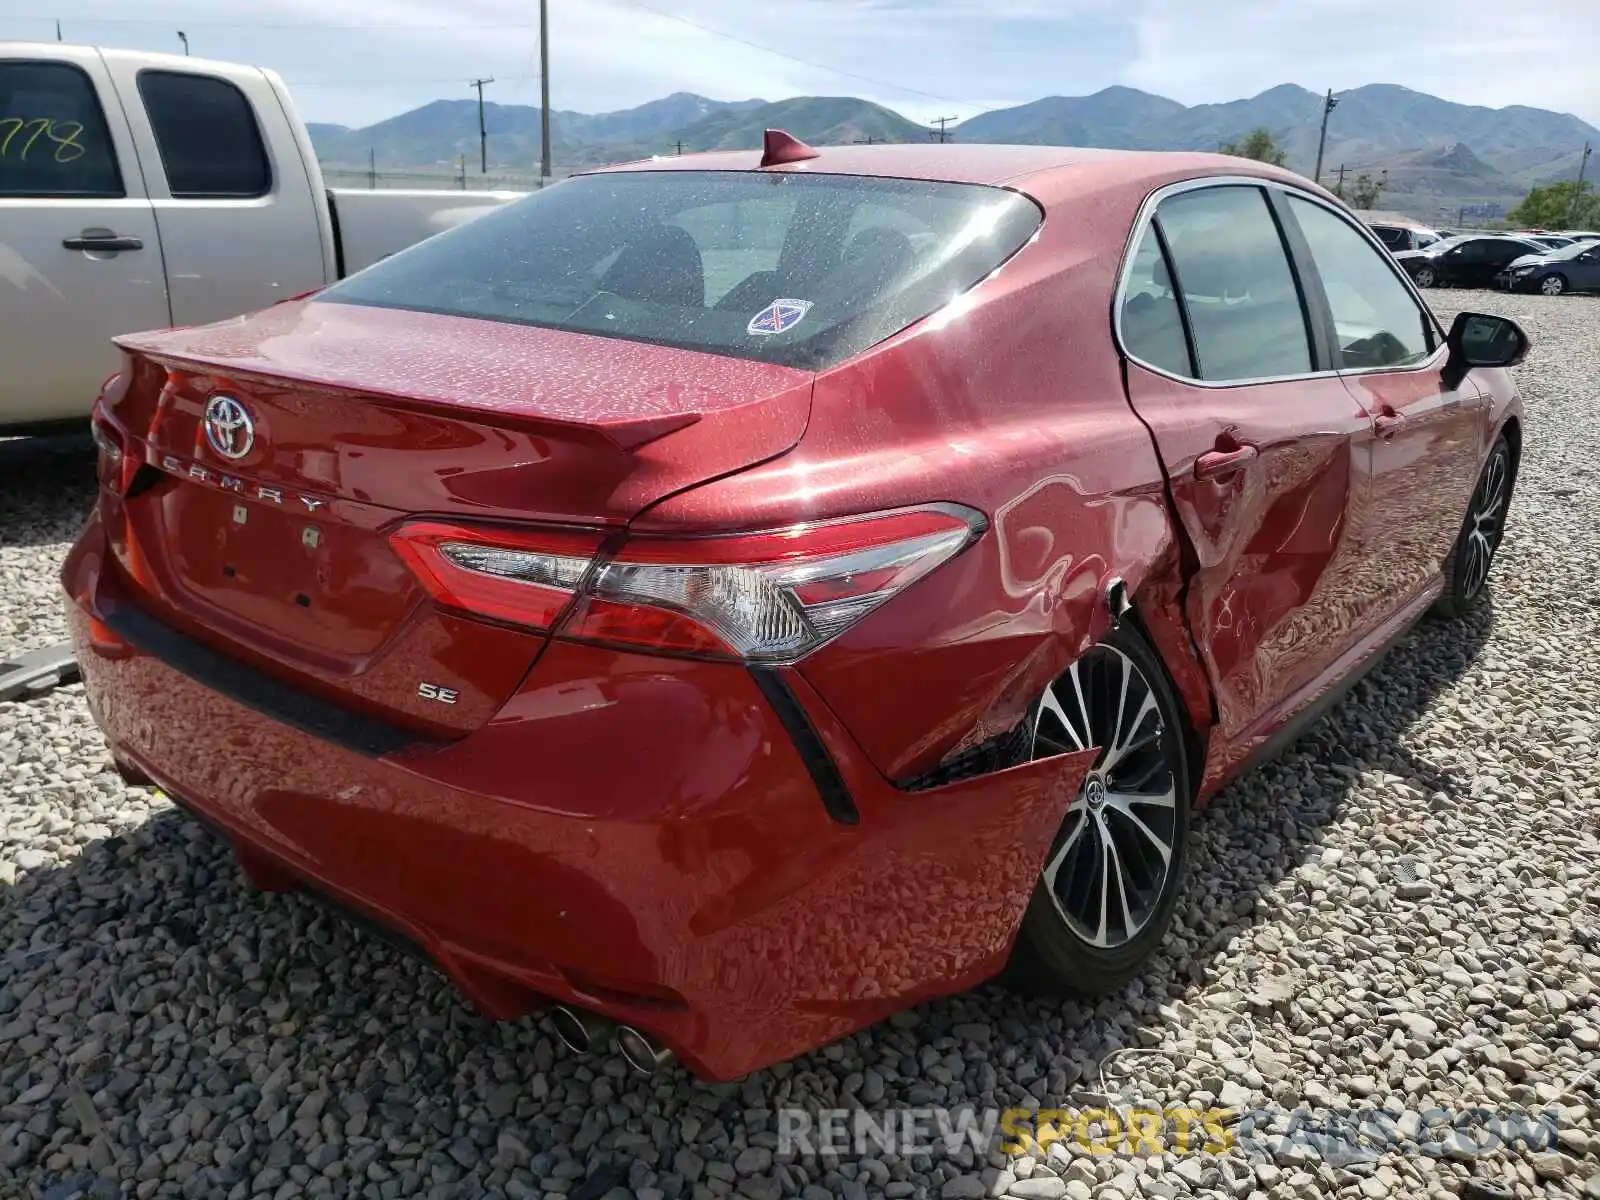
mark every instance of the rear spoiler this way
{"type": "Point", "coordinates": [627, 434]}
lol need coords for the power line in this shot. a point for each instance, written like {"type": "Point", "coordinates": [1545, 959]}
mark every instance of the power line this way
{"type": "Point", "coordinates": [808, 62]}
{"type": "Point", "coordinates": [392, 81]}
{"type": "Point", "coordinates": [639, 4]}
{"type": "Point", "coordinates": [97, 20]}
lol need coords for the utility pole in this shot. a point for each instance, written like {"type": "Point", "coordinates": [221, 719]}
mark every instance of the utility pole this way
{"type": "Point", "coordinates": [462, 163]}
{"type": "Point", "coordinates": [58, 29]}
{"type": "Point", "coordinates": [940, 134]}
{"type": "Point", "coordinates": [182, 37]}
{"type": "Point", "coordinates": [1329, 103]}
{"type": "Point", "coordinates": [483, 130]}
{"type": "Point", "coordinates": [1338, 188]}
{"type": "Point", "coordinates": [544, 92]}
{"type": "Point", "coordinates": [680, 147]}
{"type": "Point", "coordinates": [372, 168]}
{"type": "Point", "coordinates": [1577, 196]}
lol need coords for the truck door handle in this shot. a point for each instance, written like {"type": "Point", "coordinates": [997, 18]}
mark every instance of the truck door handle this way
{"type": "Point", "coordinates": [1213, 463]}
{"type": "Point", "coordinates": [1387, 423]}
{"type": "Point", "coordinates": [106, 243]}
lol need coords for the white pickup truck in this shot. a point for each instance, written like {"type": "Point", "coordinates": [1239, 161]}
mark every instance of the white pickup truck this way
{"type": "Point", "coordinates": [145, 190]}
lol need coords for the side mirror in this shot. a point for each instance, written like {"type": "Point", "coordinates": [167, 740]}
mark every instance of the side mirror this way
{"type": "Point", "coordinates": [1479, 340]}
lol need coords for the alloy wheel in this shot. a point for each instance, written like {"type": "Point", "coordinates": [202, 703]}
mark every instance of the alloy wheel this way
{"type": "Point", "coordinates": [1108, 871]}
{"type": "Point", "coordinates": [1552, 285]}
{"type": "Point", "coordinates": [1426, 278]}
{"type": "Point", "coordinates": [1485, 523]}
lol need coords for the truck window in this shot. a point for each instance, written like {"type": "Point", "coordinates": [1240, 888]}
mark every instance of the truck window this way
{"type": "Point", "coordinates": [207, 134]}
{"type": "Point", "coordinates": [53, 136]}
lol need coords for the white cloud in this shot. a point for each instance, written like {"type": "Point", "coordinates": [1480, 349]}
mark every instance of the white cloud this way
{"type": "Point", "coordinates": [1538, 52]}
{"type": "Point", "coordinates": [922, 57]}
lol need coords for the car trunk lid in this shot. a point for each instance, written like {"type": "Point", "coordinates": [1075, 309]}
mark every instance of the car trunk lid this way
{"type": "Point", "coordinates": [269, 539]}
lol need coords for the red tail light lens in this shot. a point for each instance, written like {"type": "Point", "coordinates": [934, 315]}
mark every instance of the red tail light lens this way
{"type": "Point", "coordinates": [510, 575]}
{"type": "Point", "coordinates": [769, 597]}
{"type": "Point", "coordinates": [116, 465]}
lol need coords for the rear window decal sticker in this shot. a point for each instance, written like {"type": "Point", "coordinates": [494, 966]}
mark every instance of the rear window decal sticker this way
{"type": "Point", "coordinates": [777, 317]}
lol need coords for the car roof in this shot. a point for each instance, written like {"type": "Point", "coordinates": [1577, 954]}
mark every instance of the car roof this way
{"type": "Point", "coordinates": [1049, 173]}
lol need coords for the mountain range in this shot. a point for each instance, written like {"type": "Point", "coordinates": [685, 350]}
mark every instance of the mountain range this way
{"type": "Point", "coordinates": [1434, 150]}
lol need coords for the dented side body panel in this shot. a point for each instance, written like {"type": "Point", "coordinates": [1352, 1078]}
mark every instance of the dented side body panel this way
{"type": "Point", "coordinates": [1011, 401]}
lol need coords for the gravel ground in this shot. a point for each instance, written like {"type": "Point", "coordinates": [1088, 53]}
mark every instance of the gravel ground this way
{"type": "Point", "coordinates": [1402, 912]}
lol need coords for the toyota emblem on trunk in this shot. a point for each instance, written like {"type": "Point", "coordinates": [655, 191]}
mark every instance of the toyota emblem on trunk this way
{"type": "Point", "coordinates": [228, 427]}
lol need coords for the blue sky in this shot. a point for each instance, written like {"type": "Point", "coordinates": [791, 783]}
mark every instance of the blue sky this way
{"type": "Point", "coordinates": [357, 61]}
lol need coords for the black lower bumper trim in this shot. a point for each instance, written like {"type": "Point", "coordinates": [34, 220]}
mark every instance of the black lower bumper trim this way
{"type": "Point", "coordinates": [369, 736]}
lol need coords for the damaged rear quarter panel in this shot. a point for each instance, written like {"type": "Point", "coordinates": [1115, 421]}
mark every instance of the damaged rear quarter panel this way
{"type": "Point", "coordinates": [1012, 402]}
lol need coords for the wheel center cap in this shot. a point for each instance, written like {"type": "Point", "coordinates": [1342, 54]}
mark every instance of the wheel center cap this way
{"type": "Point", "coordinates": [1094, 791]}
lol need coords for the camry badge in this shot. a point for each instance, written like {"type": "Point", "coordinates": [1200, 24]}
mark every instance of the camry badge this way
{"type": "Point", "coordinates": [229, 429]}
{"type": "Point", "coordinates": [239, 487]}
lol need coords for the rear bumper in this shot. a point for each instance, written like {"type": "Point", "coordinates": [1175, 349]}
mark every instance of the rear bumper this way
{"type": "Point", "coordinates": [635, 835]}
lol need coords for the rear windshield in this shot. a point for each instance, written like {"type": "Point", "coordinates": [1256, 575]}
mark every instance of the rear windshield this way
{"type": "Point", "coordinates": [804, 270]}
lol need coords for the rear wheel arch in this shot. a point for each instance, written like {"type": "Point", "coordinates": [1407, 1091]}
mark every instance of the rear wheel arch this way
{"type": "Point", "coordinates": [1165, 629]}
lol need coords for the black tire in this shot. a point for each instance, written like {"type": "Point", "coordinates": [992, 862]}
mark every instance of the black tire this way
{"type": "Point", "coordinates": [1553, 285]}
{"type": "Point", "coordinates": [1056, 953]}
{"type": "Point", "coordinates": [1466, 571]}
{"type": "Point", "coordinates": [1425, 277]}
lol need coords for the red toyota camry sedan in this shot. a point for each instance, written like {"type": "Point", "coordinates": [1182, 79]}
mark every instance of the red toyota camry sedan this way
{"type": "Point", "coordinates": [730, 598]}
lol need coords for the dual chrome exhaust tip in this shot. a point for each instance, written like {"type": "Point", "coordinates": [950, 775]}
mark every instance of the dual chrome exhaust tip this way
{"type": "Point", "coordinates": [584, 1032]}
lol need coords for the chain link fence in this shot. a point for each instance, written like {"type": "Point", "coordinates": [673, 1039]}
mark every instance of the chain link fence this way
{"type": "Point", "coordinates": [470, 180]}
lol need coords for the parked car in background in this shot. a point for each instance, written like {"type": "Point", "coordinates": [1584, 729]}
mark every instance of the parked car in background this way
{"type": "Point", "coordinates": [1573, 268]}
{"type": "Point", "coordinates": [1553, 241]}
{"type": "Point", "coordinates": [1466, 261]}
{"type": "Point", "coordinates": [749, 615]}
{"type": "Point", "coordinates": [1403, 237]}
{"type": "Point", "coordinates": [143, 190]}
{"type": "Point", "coordinates": [1581, 235]}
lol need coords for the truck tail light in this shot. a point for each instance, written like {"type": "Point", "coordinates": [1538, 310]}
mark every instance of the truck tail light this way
{"type": "Point", "coordinates": [768, 597]}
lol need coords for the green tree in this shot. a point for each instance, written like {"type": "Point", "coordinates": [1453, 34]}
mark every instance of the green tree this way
{"type": "Point", "coordinates": [1553, 207]}
{"type": "Point", "coordinates": [1257, 144]}
{"type": "Point", "coordinates": [1364, 192]}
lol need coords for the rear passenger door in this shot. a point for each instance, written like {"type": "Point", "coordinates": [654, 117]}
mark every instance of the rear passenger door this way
{"type": "Point", "coordinates": [80, 261]}
{"type": "Point", "coordinates": [1422, 460]}
{"type": "Point", "coordinates": [1258, 437]}
{"type": "Point", "coordinates": [240, 221]}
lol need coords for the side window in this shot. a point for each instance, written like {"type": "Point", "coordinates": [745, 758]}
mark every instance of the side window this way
{"type": "Point", "coordinates": [1152, 324]}
{"type": "Point", "coordinates": [1475, 251]}
{"type": "Point", "coordinates": [1377, 322]}
{"type": "Point", "coordinates": [741, 243]}
{"type": "Point", "coordinates": [1390, 235]}
{"type": "Point", "coordinates": [53, 136]}
{"type": "Point", "coordinates": [210, 145]}
{"type": "Point", "coordinates": [1243, 305]}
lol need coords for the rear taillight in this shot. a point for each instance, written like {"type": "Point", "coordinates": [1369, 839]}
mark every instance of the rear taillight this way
{"type": "Point", "coordinates": [510, 575]}
{"type": "Point", "coordinates": [116, 467]}
{"type": "Point", "coordinates": [768, 597]}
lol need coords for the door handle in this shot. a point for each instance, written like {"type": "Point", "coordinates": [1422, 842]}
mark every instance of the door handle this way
{"type": "Point", "coordinates": [1213, 463]}
{"type": "Point", "coordinates": [1388, 424]}
{"type": "Point", "coordinates": [106, 243]}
